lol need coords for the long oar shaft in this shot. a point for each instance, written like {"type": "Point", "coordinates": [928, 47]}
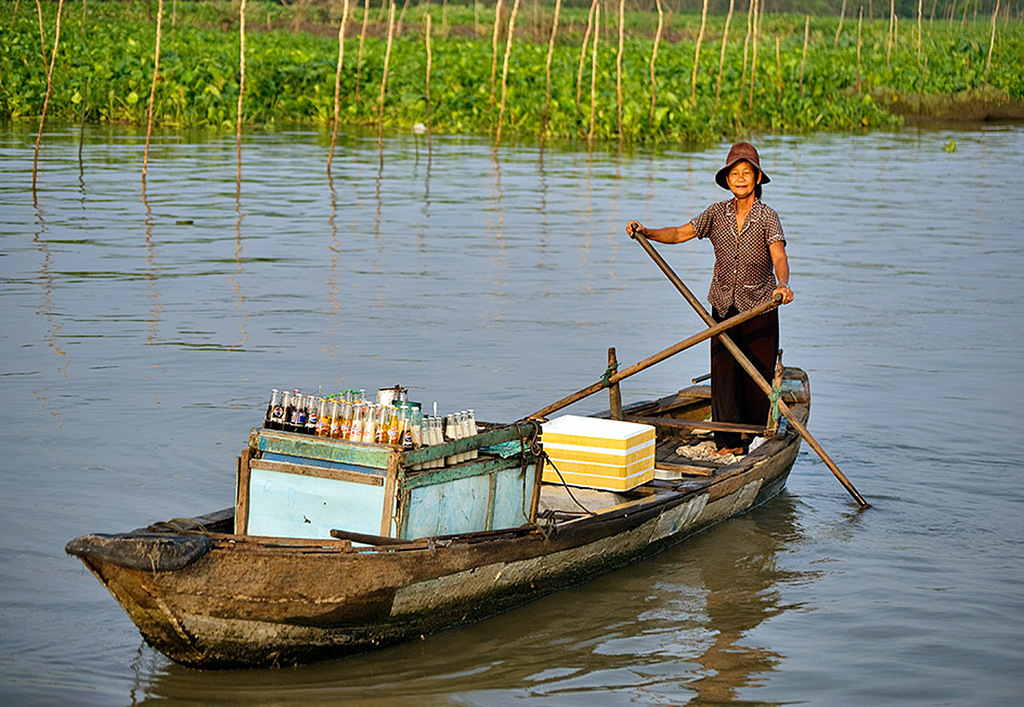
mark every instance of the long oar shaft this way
{"type": "Point", "coordinates": [749, 367]}
{"type": "Point", "coordinates": [716, 329]}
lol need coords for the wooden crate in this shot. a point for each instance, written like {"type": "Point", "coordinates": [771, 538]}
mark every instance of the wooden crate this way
{"type": "Point", "coordinates": [295, 485]}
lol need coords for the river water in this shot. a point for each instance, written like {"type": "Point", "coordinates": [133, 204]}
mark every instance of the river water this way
{"type": "Point", "coordinates": [141, 334]}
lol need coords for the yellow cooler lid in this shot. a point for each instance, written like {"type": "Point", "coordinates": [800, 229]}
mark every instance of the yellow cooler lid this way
{"type": "Point", "coordinates": [596, 432]}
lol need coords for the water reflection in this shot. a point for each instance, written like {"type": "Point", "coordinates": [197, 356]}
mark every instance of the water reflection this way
{"type": "Point", "coordinates": [152, 271]}
{"type": "Point", "coordinates": [46, 309]}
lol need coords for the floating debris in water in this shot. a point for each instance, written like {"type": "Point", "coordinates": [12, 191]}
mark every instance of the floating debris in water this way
{"type": "Point", "coordinates": [950, 146]}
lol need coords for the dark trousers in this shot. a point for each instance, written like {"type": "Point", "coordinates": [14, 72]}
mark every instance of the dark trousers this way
{"type": "Point", "coordinates": [735, 397]}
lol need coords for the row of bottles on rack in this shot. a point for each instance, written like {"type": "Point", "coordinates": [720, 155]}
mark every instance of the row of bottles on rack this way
{"type": "Point", "coordinates": [392, 420]}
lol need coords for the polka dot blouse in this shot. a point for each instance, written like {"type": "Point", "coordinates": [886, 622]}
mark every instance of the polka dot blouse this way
{"type": "Point", "coordinates": [744, 276]}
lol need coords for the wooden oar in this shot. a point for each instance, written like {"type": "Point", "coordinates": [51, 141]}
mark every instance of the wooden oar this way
{"type": "Point", "coordinates": [715, 329]}
{"type": "Point", "coordinates": [749, 368]}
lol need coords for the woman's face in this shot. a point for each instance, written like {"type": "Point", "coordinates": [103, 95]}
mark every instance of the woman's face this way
{"type": "Point", "coordinates": [742, 179]}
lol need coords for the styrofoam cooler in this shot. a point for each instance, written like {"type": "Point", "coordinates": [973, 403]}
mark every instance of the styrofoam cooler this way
{"type": "Point", "coordinates": [597, 453]}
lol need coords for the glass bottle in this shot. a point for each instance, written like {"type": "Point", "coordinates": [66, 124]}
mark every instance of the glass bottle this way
{"type": "Point", "coordinates": [355, 432]}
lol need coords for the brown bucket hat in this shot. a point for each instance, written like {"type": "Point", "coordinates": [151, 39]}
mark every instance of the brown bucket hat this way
{"type": "Point", "coordinates": [741, 151]}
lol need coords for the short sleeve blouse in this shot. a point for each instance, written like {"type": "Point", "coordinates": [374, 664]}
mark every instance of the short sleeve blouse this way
{"type": "Point", "coordinates": [744, 276]}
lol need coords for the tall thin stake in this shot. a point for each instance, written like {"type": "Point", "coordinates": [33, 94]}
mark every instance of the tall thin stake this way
{"type": "Point", "coordinates": [920, 13]}
{"type": "Point", "coordinates": [860, 22]}
{"type": "Point", "coordinates": [46, 99]}
{"type": "Point", "coordinates": [593, 68]}
{"type": "Point", "coordinates": [803, 55]}
{"type": "Point", "coordinates": [721, 54]}
{"type": "Point", "coordinates": [494, 46]}
{"type": "Point", "coordinates": [241, 95]}
{"type": "Point", "coordinates": [618, 68]}
{"type": "Point", "coordinates": [751, 7]}
{"type": "Point", "coordinates": [430, 61]}
{"type": "Point", "coordinates": [401, 18]}
{"type": "Point", "coordinates": [696, 49]}
{"type": "Point", "coordinates": [654, 60]}
{"type": "Point", "coordinates": [992, 39]}
{"type": "Point", "coordinates": [152, 90]}
{"type": "Point", "coordinates": [337, 85]}
{"type": "Point", "coordinates": [892, 32]}
{"type": "Point", "coordinates": [509, 34]}
{"type": "Point", "coordinates": [359, 55]}
{"type": "Point", "coordinates": [387, 63]}
{"type": "Point", "coordinates": [42, 31]}
{"type": "Point", "coordinates": [583, 51]}
{"type": "Point", "coordinates": [839, 27]}
{"type": "Point", "coordinates": [778, 62]}
{"type": "Point", "coordinates": [547, 64]}
{"type": "Point", "coordinates": [753, 53]}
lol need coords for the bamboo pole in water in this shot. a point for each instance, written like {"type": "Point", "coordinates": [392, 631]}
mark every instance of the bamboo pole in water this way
{"type": "Point", "coordinates": [583, 51]}
{"type": "Point", "coordinates": [920, 13]}
{"type": "Point", "coordinates": [892, 32]}
{"type": "Point", "coordinates": [803, 54]}
{"type": "Point", "coordinates": [593, 68]}
{"type": "Point", "coordinates": [46, 99]}
{"type": "Point", "coordinates": [992, 39]}
{"type": "Point", "coordinates": [839, 27]}
{"type": "Point", "coordinates": [342, 25]}
{"type": "Point", "coordinates": [359, 54]}
{"type": "Point", "coordinates": [401, 18]}
{"type": "Point", "coordinates": [547, 65]}
{"type": "Point", "coordinates": [721, 53]}
{"type": "Point", "coordinates": [387, 63]}
{"type": "Point", "coordinates": [42, 32]}
{"type": "Point", "coordinates": [494, 46]}
{"type": "Point", "coordinates": [152, 90]}
{"type": "Point", "coordinates": [241, 95]}
{"type": "Point", "coordinates": [430, 61]}
{"type": "Point", "coordinates": [696, 49]}
{"type": "Point", "coordinates": [753, 53]}
{"type": "Point", "coordinates": [654, 60]}
{"type": "Point", "coordinates": [618, 68]}
{"type": "Point", "coordinates": [746, 42]}
{"type": "Point", "coordinates": [860, 22]}
{"type": "Point", "coordinates": [509, 35]}
{"type": "Point", "coordinates": [778, 63]}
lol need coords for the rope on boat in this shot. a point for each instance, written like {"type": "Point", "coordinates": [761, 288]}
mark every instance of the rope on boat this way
{"type": "Point", "coordinates": [612, 369]}
{"type": "Point", "coordinates": [532, 441]}
{"type": "Point", "coordinates": [774, 398]}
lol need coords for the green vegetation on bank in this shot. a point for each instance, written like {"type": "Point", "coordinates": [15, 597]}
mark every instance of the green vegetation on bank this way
{"type": "Point", "coordinates": [104, 69]}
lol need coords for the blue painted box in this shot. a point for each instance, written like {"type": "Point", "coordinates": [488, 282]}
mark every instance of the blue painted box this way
{"type": "Point", "coordinates": [298, 486]}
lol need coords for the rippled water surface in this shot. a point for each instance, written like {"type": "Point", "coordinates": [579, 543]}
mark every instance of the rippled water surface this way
{"type": "Point", "coordinates": [141, 334]}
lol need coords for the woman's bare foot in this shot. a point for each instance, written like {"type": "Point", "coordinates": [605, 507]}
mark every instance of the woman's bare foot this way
{"type": "Point", "coordinates": [738, 451]}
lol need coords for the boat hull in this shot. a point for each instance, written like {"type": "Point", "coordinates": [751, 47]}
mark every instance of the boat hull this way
{"type": "Point", "coordinates": [251, 602]}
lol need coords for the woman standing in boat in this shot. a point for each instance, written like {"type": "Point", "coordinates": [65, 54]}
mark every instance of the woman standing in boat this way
{"type": "Point", "coordinates": [750, 267]}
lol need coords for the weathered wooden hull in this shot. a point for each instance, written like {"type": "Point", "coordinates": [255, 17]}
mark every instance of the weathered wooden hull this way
{"type": "Point", "coordinates": [255, 602]}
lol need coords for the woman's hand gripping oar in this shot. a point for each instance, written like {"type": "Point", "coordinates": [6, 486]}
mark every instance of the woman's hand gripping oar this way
{"type": "Point", "coordinates": [749, 367]}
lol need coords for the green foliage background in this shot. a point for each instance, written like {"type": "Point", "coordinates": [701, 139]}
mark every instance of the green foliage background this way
{"type": "Point", "coordinates": [104, 69]}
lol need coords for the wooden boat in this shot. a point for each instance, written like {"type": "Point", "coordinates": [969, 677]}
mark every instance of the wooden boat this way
{"type": "Point", "coordinates": [209, 597]}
